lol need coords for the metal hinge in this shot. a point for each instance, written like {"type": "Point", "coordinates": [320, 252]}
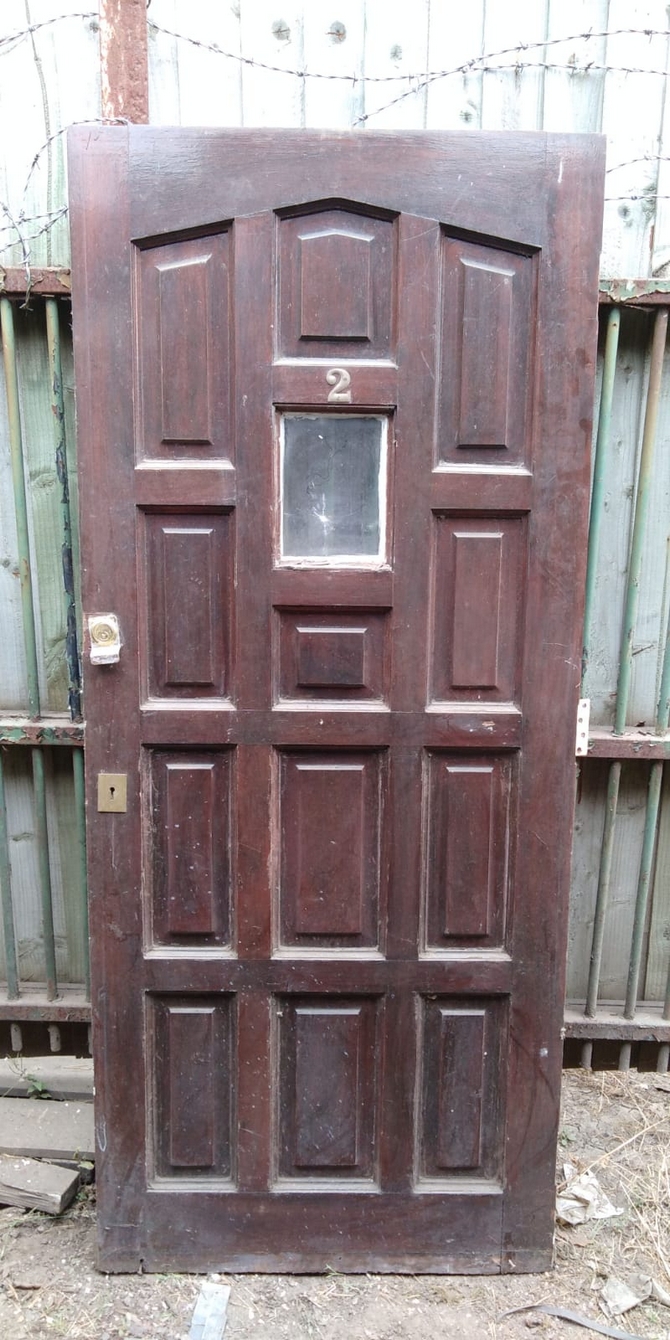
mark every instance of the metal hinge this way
{"type": "Point", "coordinates": [583, 719]}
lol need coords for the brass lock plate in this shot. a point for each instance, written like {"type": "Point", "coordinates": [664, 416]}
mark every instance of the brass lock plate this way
{"type": "Point", "coordinates": [105, 639]}
{"type": "Point", "coordinates": [112, 792]}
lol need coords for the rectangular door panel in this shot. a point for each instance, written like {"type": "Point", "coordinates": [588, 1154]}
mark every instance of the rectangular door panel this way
{"type": "Point", "coordinates": [327, 1089]}
{"type": "Point", "coordinates": [336, 291]}
{"type": "Point", "coordinates": [487, 348]}
{"type": "Point", "coordinates": [191, 1090]}
{"type": "Point", "coordinates": [183, 375]}
{"type": "Point", "coordinates": [462, 1083]}
{"type": "Point", "coordinates": [188, 856]}
{"type": "Point", "coordinates": [331, 813]}
{"type": "Point", "coordinates": [337, 656]}
{"type": "Point", "coordinates": [467, 808]}
{"type": "Point", "coordinates": [478, 591]}
{"type": "Point", "coordinates": [188, 565]}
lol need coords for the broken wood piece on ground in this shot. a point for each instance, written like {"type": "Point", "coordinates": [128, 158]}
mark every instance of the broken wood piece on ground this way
{"type": "Point", "coordinates": [209, 1314]}
{"type": "Point", "coordinates": [34, 1185]}
{"type": "Point", "coordinates": [47, 1130]}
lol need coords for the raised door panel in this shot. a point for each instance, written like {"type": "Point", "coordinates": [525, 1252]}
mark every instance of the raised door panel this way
{"type": "Point", "coordinates": [336, 291]}
{"type": "Point", "coordinates": [328, 1089]}
{"type": "Point", "coordinates": [188, 858]}
{"type": "Point", "coordinates": [478, 593]}
{"type": "Point", "coordinates": [191, 1096]}
{"type": "Point", "coordinates": [334, 656]}
{"type": "Point", "coordinates": [187, 563]}
{"type": "Point", "coordinates": [461, 1086]}
{"type": "Point", "coordinates": [331, 891]}
{"type": "Point", "coordinates": [485, 384]}
{"type": "Point", "coordinates": [183, 325]}
{"type": "Point", "coordinates": [468, 809]}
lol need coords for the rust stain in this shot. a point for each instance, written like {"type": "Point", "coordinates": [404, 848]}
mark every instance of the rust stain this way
{"type": "Point", "coordinates": [124, 69]}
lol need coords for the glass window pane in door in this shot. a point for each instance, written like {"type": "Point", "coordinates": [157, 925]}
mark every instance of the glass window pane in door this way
{"type": "Point", "coordinates": [333, 485]}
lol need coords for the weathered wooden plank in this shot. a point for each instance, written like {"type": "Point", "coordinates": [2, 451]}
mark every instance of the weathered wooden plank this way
{"type": "Point", "coordinates": [588, 829]}
{"type": "Point", "coordinates": [54, 281]}
{"type": "Point", "coordinates": [13, 678]}
{"type": "Point", "coordinates": [44, 503]}
{"type": "Point", "coordinates": [46, 1130]}
{"type": "Point", "coordinates": [50, 79]}
{"type": "Point", "coordinates": [573, 96]}
{"type": "Point", "coordinates": [632, 121]}
{"type": "Point", "coordinates": [51, 731]}
{"type": "Point", "coordinates": [274, 38]}
{"type": "Point", "coordinates": [658, 945]}
{"type": "Point", "coordinates": [23, 853]}
{"type": "Point", "coordinates": [334, 46]}
{"type": "Point", "coordinates": [189, 84]}
{"type": "Point", "coordinates": [209, 1315]}
{"type": "Point", "coordinates": [512, 97]}
{"type": "Point", "coordinates": [396, 45]}
{"type": "Point", "coordinates": [32, 1006]}
{"type": "Point", "coordinates": [456, 100]}
{"type": "Point", "coordinates": [634, 744]}
{"type": "Point", "coordinates": [35, 1185]}
{"type": "Point", "coordinates": [621, 472]}
{"type": "Point", "coordinates": [660, 257]}
{"type": "Point", "coordinates": [648, 1026]}
{"type": "Point", "coordinates": [635, 292]}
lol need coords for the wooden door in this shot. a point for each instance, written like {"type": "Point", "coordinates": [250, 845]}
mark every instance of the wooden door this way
{"type": "Point", "coordinates": [334, 405]}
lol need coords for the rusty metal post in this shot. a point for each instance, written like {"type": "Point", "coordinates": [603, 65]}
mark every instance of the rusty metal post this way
{"type": "Point", "coordinates": [124, 60]}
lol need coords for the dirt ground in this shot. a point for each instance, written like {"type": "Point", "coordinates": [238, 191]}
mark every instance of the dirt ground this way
{"type": "Point", "coordinates": [617, 1123]}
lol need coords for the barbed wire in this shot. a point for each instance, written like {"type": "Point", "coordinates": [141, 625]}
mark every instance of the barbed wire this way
{"type": "Point", "coordinates": [511, 58]}
{"type": "Point", "coordinates": [19, 222]}
{"type": "Point", "coordinates": [10, 39]}
{"type": "Point", "coordinates": [475, 63]}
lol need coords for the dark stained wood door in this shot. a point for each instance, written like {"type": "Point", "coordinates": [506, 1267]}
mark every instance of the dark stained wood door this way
{"type": "Point", "coordinates": [334, 405]}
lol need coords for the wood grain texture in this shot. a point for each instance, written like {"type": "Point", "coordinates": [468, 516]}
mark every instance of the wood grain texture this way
{"type": "Point", "coordinates": [33, 1185]}
{"type": "Point", "coordinates": [312, 1011]}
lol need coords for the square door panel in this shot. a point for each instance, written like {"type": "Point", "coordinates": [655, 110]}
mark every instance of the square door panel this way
{"type": "Point", "coordinates": [467, 809]}
{"type": "Point", "coordinates": [478, 592]}
{"type": "Point", "coordinates": [485, 381]}
{"type": "Point", "coordinates": [188, 563]}
{"type": "Point", "coordinates": [460, 1085]}
{"type": "Point", "coordinates": [334, 656]}
{"type": "Point", "coordinates": [188, 859]}
{"type": "Point", "coordinates": [191, 1094]}
{"type": "Point", "coordinates": [331, 886]}
{"type": "Point", "coordinates": [327, 1058]}
{"type": "Point", "coordinates": [337, 280]}
{"type": "Point", "coordinates": [183, 372]}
